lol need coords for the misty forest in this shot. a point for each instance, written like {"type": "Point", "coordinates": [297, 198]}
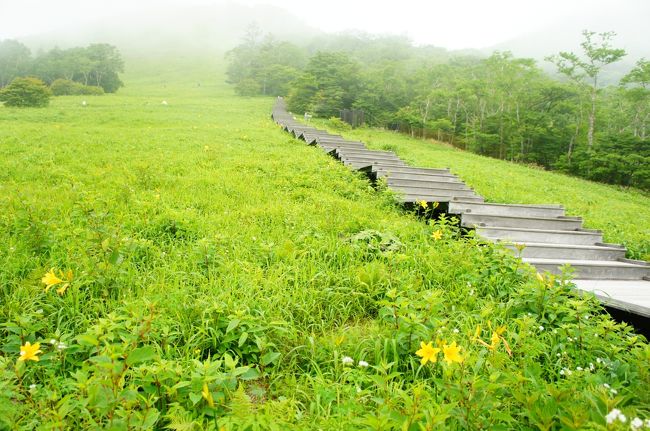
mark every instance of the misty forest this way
{"type": "Point", "coordinates": [499, 106]}
{"type": "Point", "coordinates": [219, 218]}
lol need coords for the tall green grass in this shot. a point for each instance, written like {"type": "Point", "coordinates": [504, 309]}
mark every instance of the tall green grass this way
{"type": "Point", "coordinates": [221, 271]}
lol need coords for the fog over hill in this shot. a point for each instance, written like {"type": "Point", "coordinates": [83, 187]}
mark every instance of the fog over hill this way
{"type": "Point", "coordinates": [202, 26]}
{"type": "Point", "coordinates": [191, 29]}
{"type": "Point", "coordinates": [627, 22]}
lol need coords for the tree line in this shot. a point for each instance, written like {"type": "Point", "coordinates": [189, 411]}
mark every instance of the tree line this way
{"type": "Point", "coordinates": [499, 106]}
{"type": "Point", "coordinates": [97, 65]}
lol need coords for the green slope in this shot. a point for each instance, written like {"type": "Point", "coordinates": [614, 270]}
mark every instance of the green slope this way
{"type": "Point", "coordinates": [221, 271]}
{"type": "Point", "coordinates": [622, 214]}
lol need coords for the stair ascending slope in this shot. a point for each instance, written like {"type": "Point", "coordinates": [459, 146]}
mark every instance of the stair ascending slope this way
{"type": "Point", "coordinates": [542, 235]}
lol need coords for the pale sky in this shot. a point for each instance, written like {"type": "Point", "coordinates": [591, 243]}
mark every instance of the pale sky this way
{"type": "Point", "coordinates": [453, 24]}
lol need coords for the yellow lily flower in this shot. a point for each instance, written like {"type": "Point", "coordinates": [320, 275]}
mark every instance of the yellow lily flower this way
{"type": "Point", "coordinates": [452, 353]}
{"type": "Point", "coordinates": [29, 352]}
{"type": "Point", "coordinates": [428, 353]}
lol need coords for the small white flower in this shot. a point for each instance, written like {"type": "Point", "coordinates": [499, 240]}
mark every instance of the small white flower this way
{"type": "Point", "coordinates": [471, 292]}
{"type": "Point", "coordinates": [456, 331]}
{"type": "Point", "coordinates": [61, 345]}
{"type": "Point", "coordinates": [598, 360]}
{"type": "Point", "coordinates": [347, 360]}
{"type": "Point", "coordinates": [607, 386]}
{"type": "Point", "coordinates": [647, 423]}
{"type": "Point", "coordinates": [39, 311]}
{"type": "Point", "coordinates": [541, 328]}
{"type": "Point", "coordinates": [595, 335]}
{"type": "Point", "coordinates": [363, 364]}
{"type": "Point", "coordinates": [555, 331]}
{"type": "Point", "coordinates": [32, 386]}
{"type": "Point", "coordinates": [562, 372]}
{"type": "Point", "coordinates": [622, 418]}
{"type": "Point", "coordinates": [613, 391]}
{"type": "Point", "coordinates": [579, 369]}
{"type": "Point", "coordinates": [558, 354]}
{"type": "Point", "coordinates": [612, 416]}
{"type": "Point", "coordinates": [636, 423]}
{"type": "Point", "coordinates": [591, 366]}
{"type": "Point", "coordinates": [52, 341]}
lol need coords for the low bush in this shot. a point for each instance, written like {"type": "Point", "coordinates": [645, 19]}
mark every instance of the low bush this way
{"type": "Point", "coordinates": [338, 124]}
{"type": "Point", "coordinates": [66, 87]}
{"type": "Point", "coordinates": [26, 92]}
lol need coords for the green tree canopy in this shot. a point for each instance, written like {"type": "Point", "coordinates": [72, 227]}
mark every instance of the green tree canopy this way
{"type": "Point", "coordinates": [332, 81]}
{"type": "Point", "coordinates": [26, 92]}
{"type": "Point", "coordinates": [15, 60]}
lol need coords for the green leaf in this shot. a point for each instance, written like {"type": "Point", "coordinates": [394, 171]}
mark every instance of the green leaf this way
{"type": "Point", "coordinates": [115, 258]}
{"type": "Point", "coordinates": [232, 325]}
{"type": "Point", "coordinates": [195, 398]}
{"type": "Point", "coordinates": [87, 340]}
{"type": "Point", "coordinates": [243, 338]}
{"type": "Point", "coordinates": [229, 361]}
{"type": "Point", "coordinates": [182, 384]}
{"type": "Point", "coordinates": [250, 374]}
{"type": "Point", "coordinates": [141, 354]}
{"type": "Point", "coordinates": [270, 357]}
{"type": "Point", "coordinates": [150, 418]}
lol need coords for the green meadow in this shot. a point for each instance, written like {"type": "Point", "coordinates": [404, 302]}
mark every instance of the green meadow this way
{"type": "Point", "coordinates": [190, 266]}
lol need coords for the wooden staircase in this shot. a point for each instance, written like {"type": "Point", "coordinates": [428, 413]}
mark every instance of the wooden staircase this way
{"type": "Point", "coordinates": [549, 238]}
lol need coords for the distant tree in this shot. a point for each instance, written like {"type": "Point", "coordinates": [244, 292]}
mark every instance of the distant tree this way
{"type": "Point", "coordinates": [97, 65]}
{"type": "Point", "coordinates": [264, 67]}
{"type": "Point", "coordinates": [638, 94]}
{"type": "Point", "coordinates": [302, 92]}
{"type": "Point", "coordinates": [26, 92]}
{"type": "Point", "coordinates": [15, 60]}
{"type": "Point", "coordinates": [587, 69]}
{"type": "Point", "coordinates": [106, 62]}
{"type": "Point", "coordinates": [332, 81]}
{"type": "Point", "coordinates": [248, 87]}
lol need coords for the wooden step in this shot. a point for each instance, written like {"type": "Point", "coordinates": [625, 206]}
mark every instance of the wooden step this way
{"type": "Point", "coordinates": [431, 198]}
{"type": "Point", "coordinates": [578, 237]}
{"type": "Point", "coordinates": [554, 223]}
{"type": "Point", "coordinates": [454, 185]}
{"type": "Point", "coordinates": [415, 177]}
{"type": "Point", "coordinates": [507, 209]}
{"type": "Point", "coordinates": [593, 269]}
{"type": "Point", "coordinates": [567, 251]}
{"type": "Point", "coordinates": [359, 163]}
{"type": "Point", "coordinates": [437, 191]}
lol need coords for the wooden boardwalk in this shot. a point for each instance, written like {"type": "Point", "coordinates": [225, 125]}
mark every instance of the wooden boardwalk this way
{"type": "Point", "coordinates": [549, 238]}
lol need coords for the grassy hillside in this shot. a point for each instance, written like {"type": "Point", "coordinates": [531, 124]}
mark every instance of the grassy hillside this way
{"type": "Point", "coordinates": [622, 214]}
{"type": "Point", "coordinates": [190, 266]}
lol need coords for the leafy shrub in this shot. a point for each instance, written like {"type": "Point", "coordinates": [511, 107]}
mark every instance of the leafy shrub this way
{"type": "Point", "coordinates": [247, 87]}
{"type": "Point", "coordinates": [338, 124]}
{"type": "Point", "coordinates": [26, 92]}
{"type": "Point", "coordinates": [66, 87]}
